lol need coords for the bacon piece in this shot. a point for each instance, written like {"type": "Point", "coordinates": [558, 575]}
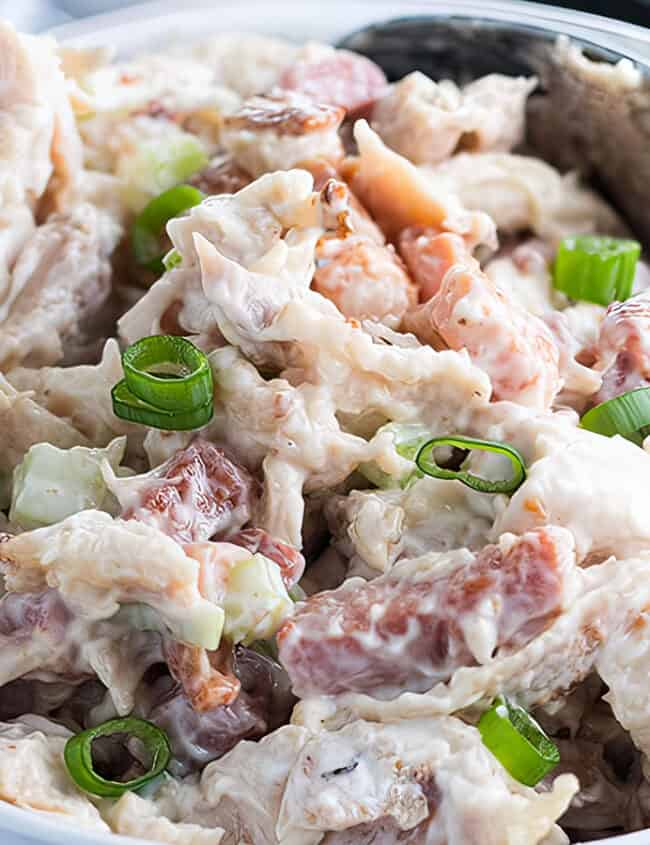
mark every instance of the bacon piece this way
{"type": "Point", "coordinates": [288, 558]}
{"type": "Point", "coordinates": [207, 678]}
{"type": "Point", "coordinates": [343, 79]}
{"type": "Point", "coordinates": [199, 736]}
{"type": "Point", "coordinates": [515, 348]}
{"type": "Point", "coordinates": [365, 280]}
{"type": "Point", "coordinates": [623, 347]}
{"type": "Point", "coordinates": [197, 493]}
{"type": "Point", "coordinates": [416, 625]}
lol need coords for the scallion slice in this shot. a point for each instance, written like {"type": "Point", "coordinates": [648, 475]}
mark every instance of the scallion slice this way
{"type": "Point", "coordinates": [518, 742]}
{"type": "Point", "coordinates": [426, 461]}
{"type": "Point", "coordinates": [596, 269]}
{"type": "Point", "coordinates": [168, 372]}
{"type": "Point", "coordinates": [627, 415]}
{"type": "Point", "coordinates": [78, 756]}
{"type": "Point", "coordinates": [150, 223]}
{"type": "Point", "coordinates": [127, 406]}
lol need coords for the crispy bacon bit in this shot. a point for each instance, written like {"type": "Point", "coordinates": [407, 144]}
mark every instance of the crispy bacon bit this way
{"type": "Point", "coordinates": [467, 311]}
{"type": "Point", "coordinates": [207, 678]}
{"type": "Point", "coordinates": [288, 558]}
{"type": "Point", "coordinates": [365, 280]}
{"type": "Point", "coordinates": [408, 630]}
{"type": "Point", "coordinates": [343, 79]}
{"type": "Point", "coordinates": [197, 494]}
{"type": "Point", "coordinates": [221, 176]}
{"type": "Point", "coordinates": [285, 114]}
{"type": "Point", "coordinates": [428, 255]}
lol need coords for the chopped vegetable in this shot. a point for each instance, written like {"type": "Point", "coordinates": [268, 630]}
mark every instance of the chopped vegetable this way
{"type": "Point", "coordinates": [627, 415]}
{"type": "Point", "coordinates": [172, 259]}
{"type": "Point", "coordinates": [167, 384]}
{"type": "Point", "coordinates": [518, 742]}
{"type": "Point", "coordinates": [168, 372]}
{"type": "Point", "coordinates": [426, 461]}
{"type": "Point", "coordinates": [256, 602]}
{"type": "Point", "coordinates": [596, 269]}
{"type": "Point", "coordinates": [202, 629]}
{"type": "Point", "coordinates": [51, 484]}
{"type": "Point", "coordinates": [150, 225]}
{"type": "Point", "coordinates": [78, 755]}
{"type": "Point", "coordinates": [157, 165]}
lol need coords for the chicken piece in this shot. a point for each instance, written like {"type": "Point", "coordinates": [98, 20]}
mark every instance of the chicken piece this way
{"type": "Point", "coordinates": [374, 529]}
{"type": "Point", "coordinates": [79, 398]}
{"type": "Point", "coordinates": [136, 816]}
{"type": "Point", "coordinates": [16, 228]}
{"type": "Point", "coordinates": [623, 665]}
{"type": "Point", "coordinates": [515, 348]}
{"type": "Point", "coordinates": [398, 195]}
{"type": "Point", "coordinates": [195, 495]}
{"type": "Point", "coordinates": [412, 782]}
{"type": "Point", "coordinates": [434, 615]}
{"type": "Point", "coordinates": [97, 563]}
{"type": "Point", "coordinates": [365, 280]}
{"type": "Point", "coordinates": [277, 130]}
{"type": "Point", "coordinates": [288, 558]}
{"type": "Point", "coordinates": [22, 424]}
{"type": "Point", "coordinates": [335, 77]}
{"type": "Point", "coordinates": [427, 121]}
{"type": "Point", "coordinates": [604, 510]}
{"type": "Point", "coordinates": [33, 774]}
{"type": "Point", "coordinates": [270, 227]}
{"type": "Point", "coordinates": [622, 350]}
{"type": "Point", "coordinates": [40, 145]}
{"type": "Point", "coordinates": [61, 277]}
{"type": "Point", "coordinates": [523, 193]}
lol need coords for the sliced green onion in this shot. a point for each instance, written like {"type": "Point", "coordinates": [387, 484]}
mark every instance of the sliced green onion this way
{"type": "Point", "coordinates": [78, 756]}
{"type": "Point", "coordinates": [168, 372]}
{"type": "Point", "coordinates": [150, 223]}
{"type": "Point", "coordinates": [627, 415]}
{"type": "Point", "coordinates": [596, 269]}
{"type": "Point", "coordinates": [172, 259]}
{"type": "Point", "coordinates": [518, 742]}
{"type": "Point", "coordinates": [426, 461]}
{"type": "Point", "coordinates": [127, 406]}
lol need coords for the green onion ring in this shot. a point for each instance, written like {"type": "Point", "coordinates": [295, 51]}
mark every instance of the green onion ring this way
{"type": "Point", "coordinates": [78, 756]}
{"type": "Point", "coordinates": [168, 372]}
{"type": "Point", "coordinates": [627, 415]}
{"type": "Point", "coordinates": [596, 269]}
{"type": "Point", "coordinates": [150, 223]}
{"type": "Point", "coordinates": [426, 462]}
{"type": "Point", "coordinates": [518, 742]}
{"type": "Point", "coordinates": [129, 407]}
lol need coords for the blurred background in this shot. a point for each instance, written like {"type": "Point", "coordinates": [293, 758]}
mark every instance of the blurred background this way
{"type": "Point", "coordinates": [37, 15]}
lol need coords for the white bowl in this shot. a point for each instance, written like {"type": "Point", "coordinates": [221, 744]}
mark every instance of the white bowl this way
{"type": "Point", "coordinates": [150, 25]}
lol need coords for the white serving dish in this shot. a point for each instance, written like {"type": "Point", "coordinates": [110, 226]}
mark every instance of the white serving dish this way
{"type": "Point", "coordinates": [150, 25]}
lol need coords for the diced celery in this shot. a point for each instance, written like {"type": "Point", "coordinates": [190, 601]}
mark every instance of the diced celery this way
{"type": "Point", "coordinates": [201, 626]}
{"type": "Point", "coordinates": [51, 484]}
{"type": "Point", "coordinates": [256, 600]}
{"type": "Point", "coordinates": [159, 164]}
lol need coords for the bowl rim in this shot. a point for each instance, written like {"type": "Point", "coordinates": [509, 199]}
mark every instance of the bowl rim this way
{"type": "Point", "coordinates": [120, 25]}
